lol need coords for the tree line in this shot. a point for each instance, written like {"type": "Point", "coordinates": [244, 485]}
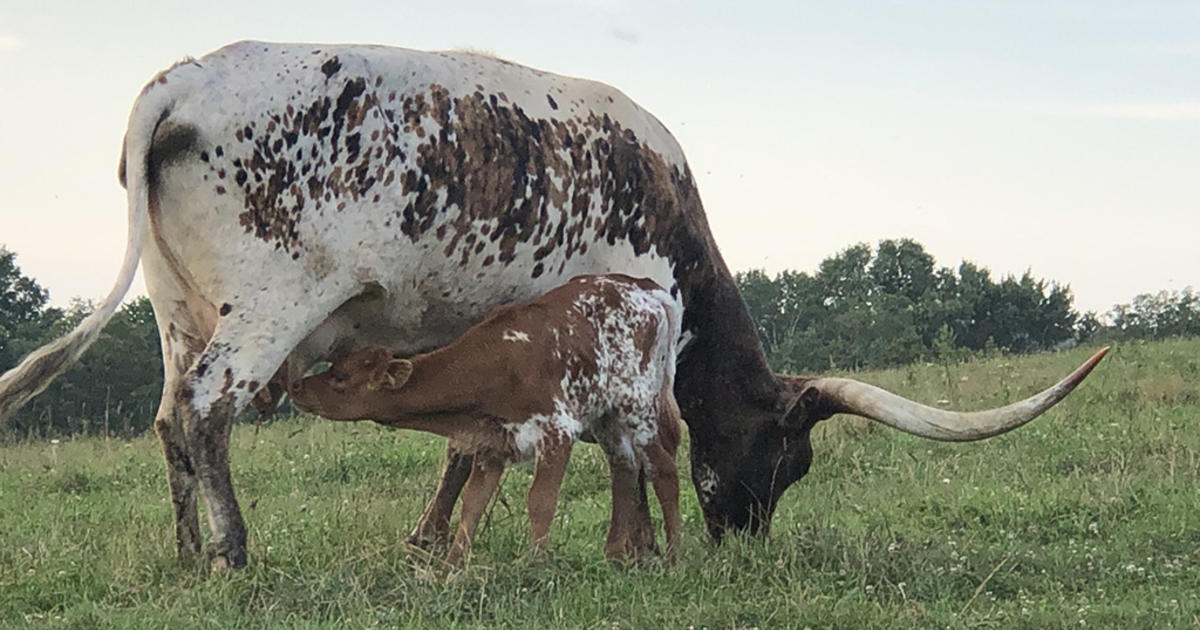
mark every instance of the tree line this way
{"type": "Point", "coordinates": [890, 305]}
{"type": "Point", "coordinates": [114, 388]}
{"type": "Point", "coordinates": [865, 307]}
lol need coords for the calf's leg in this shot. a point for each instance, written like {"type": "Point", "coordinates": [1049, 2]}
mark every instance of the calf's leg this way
{"type": "Point", "coordinates": [434, 526]}
{"type": "Point", "coordinates": [660, 460]}
{"type": "Point", "coordinates": [543, 492]}
{"type": "Point", "coordinates": [481, 485]}
{"type": "Point", "coordinates": [619, 546]}
{"type": "Point", "coordinates": [665, 477]}
{"type": "Point", "coordinates": [641, 527]}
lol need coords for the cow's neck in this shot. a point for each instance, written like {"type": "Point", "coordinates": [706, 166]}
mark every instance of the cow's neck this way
{"type": "Point", "coordinates": [723, 377]}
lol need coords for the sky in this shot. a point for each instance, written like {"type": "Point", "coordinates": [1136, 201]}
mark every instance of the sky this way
{"type": "Point", "coordinates": [1062, 138]}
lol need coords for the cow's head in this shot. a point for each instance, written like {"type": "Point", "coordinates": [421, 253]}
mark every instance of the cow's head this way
{"type": "Point", "coordinates": [740, 476]}
{"type": "Point", "coordinates": [361, 385]}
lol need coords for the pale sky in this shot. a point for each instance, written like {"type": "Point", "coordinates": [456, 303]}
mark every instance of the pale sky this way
{"type": "Point", "coordinates": [1059, 137]}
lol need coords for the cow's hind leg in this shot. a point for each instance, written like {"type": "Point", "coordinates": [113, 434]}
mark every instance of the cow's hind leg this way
{"type": "Point", "coordinates": [182, 340]}
{"type": "Point", "coordinates": [181, 476]}
{"type": "Point", "coordinates": [240, 358]}
{"type": "Point", "coordinates": [207, 436]}
{"type": "Point", "coordinates": [434, 526]}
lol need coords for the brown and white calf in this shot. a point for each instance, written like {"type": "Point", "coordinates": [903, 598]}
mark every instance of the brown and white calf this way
{"type": "Point", "coordinates": [595, 355]}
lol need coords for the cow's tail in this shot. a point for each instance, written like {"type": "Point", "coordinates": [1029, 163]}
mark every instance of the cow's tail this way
{"type": "Point", "coordinates": [36, 371]}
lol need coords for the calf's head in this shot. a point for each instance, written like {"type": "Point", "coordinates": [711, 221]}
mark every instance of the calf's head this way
{"type": "Point", "coordinates": [359, 386]}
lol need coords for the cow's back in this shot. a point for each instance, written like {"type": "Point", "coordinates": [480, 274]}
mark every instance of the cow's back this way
{"type": "Point", "coordinates": [443, 184]}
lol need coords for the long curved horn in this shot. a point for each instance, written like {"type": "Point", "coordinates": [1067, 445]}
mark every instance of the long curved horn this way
{"type": "Point", "coordinates": [827, 396]}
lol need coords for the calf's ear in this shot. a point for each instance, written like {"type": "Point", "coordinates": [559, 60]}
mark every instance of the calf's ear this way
{"type": "Point", "coordinates": [396, 374]}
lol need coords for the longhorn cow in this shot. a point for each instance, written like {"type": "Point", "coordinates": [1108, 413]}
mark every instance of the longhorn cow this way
{"type": "Point", "coordinates": [290, 203]}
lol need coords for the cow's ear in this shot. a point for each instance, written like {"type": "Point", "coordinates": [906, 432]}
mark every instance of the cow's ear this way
{"type": "Point", "coordinates": [396, 374]}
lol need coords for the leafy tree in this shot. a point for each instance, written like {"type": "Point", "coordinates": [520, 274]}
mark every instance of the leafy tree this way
{"type": "Point", "coordinates": [973, 318]}
{"type": "Point", "coordinates": [844, 279]}
{"type": "Point", "coordinates": [1087, 326]}
{"type": "Point", "coordinates": [23, 313]}
{"type": "Point", "coordinates": [890, 305]}
{"type": "Point", "coordinates": [114, 387]}
{"type": "Point", "coordinates": [21, 297]}
{"type": "Point", "coordinates": [1157, 316]}
{"type": "Point", "coordinates": [904, 268]}
{"type": "Point", "coordinates": [762, 297]}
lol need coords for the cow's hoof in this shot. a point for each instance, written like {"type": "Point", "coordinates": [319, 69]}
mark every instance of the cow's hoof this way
{"type": "Point", "coordinates": [224, 557]}
{"type": "Point", "coordinates": [188, 557]}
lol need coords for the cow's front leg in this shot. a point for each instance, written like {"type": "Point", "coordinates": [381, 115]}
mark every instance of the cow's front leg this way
{"type": "Point", "coordinates": [434, 526]}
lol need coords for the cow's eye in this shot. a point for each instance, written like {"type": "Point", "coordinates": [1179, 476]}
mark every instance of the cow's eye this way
{"type": "Point", "coordinates": [337, 377]}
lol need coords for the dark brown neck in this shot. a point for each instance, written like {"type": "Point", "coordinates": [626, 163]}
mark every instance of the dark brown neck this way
{"type": "Point", "coordinates": [723, 374]}
{"type": "Point", "coordinates": [723, 371]}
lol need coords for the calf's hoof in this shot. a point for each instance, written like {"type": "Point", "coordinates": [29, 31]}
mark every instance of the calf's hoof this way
{"type": "Point", "coordinates": [455, 560]}
{"type": "Point", "coordinates": [427, 542]}
{"type": "Point", "coordinates": [632, 550]}
{"type": "Point", "coordinates": [621, 553]}
{"type": "Point", "coordinates": [643, 543]}
{"type": "Point", "coordinates": [430, 533]}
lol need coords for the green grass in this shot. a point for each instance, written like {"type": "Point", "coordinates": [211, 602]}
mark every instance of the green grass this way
{"type": "Point", "coordinates": [1088, 517]}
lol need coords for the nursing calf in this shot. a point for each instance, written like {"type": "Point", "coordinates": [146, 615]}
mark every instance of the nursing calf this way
{"type": "Point", "coordinates": [594, 356]}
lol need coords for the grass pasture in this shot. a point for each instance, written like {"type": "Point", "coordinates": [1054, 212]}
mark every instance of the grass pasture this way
{"type": "Point", "coordinates": [1088, 517]}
